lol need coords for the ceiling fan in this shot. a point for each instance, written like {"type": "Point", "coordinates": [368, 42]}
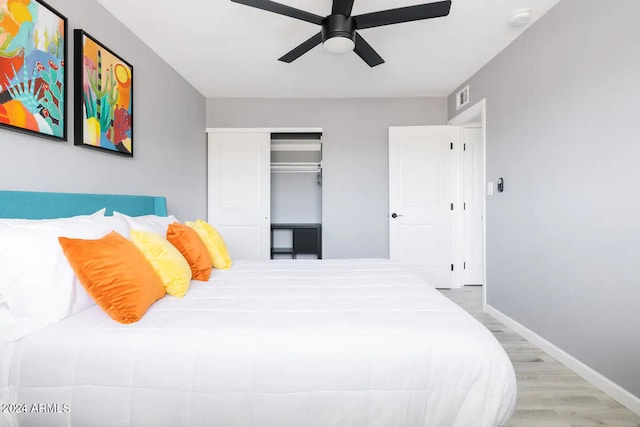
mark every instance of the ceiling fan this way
{"type": "Point", "coordinates": [339, 32]}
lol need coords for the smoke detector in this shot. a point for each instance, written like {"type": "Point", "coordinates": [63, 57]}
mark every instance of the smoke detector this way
{"type": "Point", "coordinates": [520, 17]}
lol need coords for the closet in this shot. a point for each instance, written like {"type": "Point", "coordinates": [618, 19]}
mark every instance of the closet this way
{"type": "Point", "coordinates": [265, 191]}
{"type": "Point", "coordinates": [296, 195]}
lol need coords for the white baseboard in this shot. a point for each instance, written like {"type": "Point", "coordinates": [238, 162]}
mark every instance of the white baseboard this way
{"type": "Point", "coordinates": [624, 397]}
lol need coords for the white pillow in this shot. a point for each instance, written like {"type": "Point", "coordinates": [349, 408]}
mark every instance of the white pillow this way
{"type": "Point", "coordinates": [13, 327]}
{"type": "Point", "coordinates": [10, 222]}
{"type": "Point", "coordinates": [154, 223]}
{"type": "Point", "coordinates": [36, 282]}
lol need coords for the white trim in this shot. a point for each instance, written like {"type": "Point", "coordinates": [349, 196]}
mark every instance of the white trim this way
{"type": "Point", "coordinates": [458, 236]}
{"type": "Point", "coordinates": [624, 397]}
{"type": "Point", "coordinates": [261, 130]}
{"type": "Point", "coordinates": [468, 114]}
{"type": "Point", "coordinates": [462, 119]}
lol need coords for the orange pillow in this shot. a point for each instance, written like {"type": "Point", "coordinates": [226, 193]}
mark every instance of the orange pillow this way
{"type": "Point", "coordinates": [187, 241]}
{"type": "Point", "coordinates": [116, 275]}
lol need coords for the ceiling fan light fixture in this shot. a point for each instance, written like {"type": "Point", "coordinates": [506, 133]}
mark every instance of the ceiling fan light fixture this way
{"type": "Point", "coordinates": [339, 44]}
{"type": "Point", "coordinates": [338, 32]}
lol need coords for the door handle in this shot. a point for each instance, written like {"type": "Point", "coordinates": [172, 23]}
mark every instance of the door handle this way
{"type": "Point", "coordinates": [395, 215]}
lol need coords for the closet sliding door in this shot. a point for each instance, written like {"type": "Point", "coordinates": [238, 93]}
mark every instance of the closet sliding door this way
{"type": "Point", "coordinates": [239, 191]}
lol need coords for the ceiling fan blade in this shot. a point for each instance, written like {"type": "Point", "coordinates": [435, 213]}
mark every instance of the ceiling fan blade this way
{"type": "Point", "coordinates": [403, 14]}
{"type": "Point", "coordinates": [302, 49]}
{"type": "Point", "coordinates": [366, 52]}
{"type": "Point", "coordinates": [282, 9]}
{"type": "Point", "coordinates": [342, 7]}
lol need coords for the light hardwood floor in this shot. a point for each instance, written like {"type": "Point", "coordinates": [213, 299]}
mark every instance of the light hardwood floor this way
{"type": "Point", "coordinates": [549, 394]}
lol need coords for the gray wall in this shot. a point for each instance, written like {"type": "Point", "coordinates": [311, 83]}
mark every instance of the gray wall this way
{"type": "Point", "coordinates": [295, 198]}
{"type": "Point", "coordinates": [355, 157]}
{"type": "Point", "coordinates": [563, 240]}
{"type": "Point", "coordinates": [169, 126]}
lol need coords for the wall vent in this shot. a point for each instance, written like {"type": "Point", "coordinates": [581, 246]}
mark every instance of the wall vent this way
{"type": "Point", "coordinates": [462, 97]}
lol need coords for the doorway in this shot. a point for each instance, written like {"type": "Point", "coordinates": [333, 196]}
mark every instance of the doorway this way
{"type": "Point", "coordinates": [296, 195]}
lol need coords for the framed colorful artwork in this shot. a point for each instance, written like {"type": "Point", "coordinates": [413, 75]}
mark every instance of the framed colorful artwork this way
{"type": "Point", "coordinates": [33, 79]}
{"type": "Point", "coordinates": [103, 117]}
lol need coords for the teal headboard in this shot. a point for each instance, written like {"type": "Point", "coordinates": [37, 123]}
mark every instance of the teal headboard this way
{"type": "Point", "coordinates": [35, 205]}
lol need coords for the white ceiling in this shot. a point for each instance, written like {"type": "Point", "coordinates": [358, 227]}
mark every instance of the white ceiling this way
{"type": "Point", "coordinates": [225, 49]}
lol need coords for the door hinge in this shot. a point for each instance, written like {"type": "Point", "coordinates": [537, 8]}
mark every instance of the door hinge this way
{"type": "Point", "coordinates": [464, 147]}
{"type": "Point", "coordinates": [452, 145]}
{"type": "Point", "coordinates": [464, 265]}
{"type": "Point", "coordinates": [451, 206]}
{"type": "Point", "coordinates": [451, 267]}
{"type": "Point", "coordinates": [464, 206]}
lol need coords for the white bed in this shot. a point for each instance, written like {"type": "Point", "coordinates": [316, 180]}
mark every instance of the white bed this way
{"type": "Point", "coordinates": [281, 343]}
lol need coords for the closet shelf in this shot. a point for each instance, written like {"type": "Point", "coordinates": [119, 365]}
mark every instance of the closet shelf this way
{"type": "Point", "coordinates": [294, 145]}
{"type": "Point", "coordinates": [300, 167]}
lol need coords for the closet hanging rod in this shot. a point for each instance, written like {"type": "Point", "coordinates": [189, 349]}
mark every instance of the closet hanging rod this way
{"type": "Point", "coordinates": [301, 167]}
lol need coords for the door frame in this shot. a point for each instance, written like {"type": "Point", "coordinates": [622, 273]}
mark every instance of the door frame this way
{"type": "Point", "coordinates": [269, 130]}
{"type": "Point", "coordinates": [462, 119]}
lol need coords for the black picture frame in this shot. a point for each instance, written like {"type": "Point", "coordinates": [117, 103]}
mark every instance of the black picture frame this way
{"type": "Point", "coordinates": [33, 89]}
{"type": "Point", "coordinates": [103, 115]}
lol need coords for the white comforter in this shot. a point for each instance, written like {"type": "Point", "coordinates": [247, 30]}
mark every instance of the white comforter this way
{"type": "Point", "coordinates": [278, 344]}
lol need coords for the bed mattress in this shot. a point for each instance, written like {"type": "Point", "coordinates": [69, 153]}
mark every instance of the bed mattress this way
{"type": "Point", "coordinates": [268, 344]}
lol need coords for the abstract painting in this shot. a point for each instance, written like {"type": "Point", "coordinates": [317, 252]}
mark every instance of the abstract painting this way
{"type": "Point", "coordinates": [103, 97]}
{"type": "Point", "coordinates": [33, 51]}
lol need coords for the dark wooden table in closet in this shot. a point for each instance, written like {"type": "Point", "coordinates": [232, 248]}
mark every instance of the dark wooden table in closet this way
{"type": "Point", "coordinates": [306, 240]}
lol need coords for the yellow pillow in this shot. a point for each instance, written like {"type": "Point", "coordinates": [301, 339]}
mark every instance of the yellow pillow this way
{"type": "Point", "coordinates": [214, 243]}
{"type": "Point", "coordinates": [166, 260]}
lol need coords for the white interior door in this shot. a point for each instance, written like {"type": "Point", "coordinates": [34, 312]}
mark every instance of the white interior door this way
{"type": "Point", "coordinates": [473, 193]}
{"type": "Point", "coordinates": [239, 192]}
{"type": "Point", "coordinates": [424, 201]}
